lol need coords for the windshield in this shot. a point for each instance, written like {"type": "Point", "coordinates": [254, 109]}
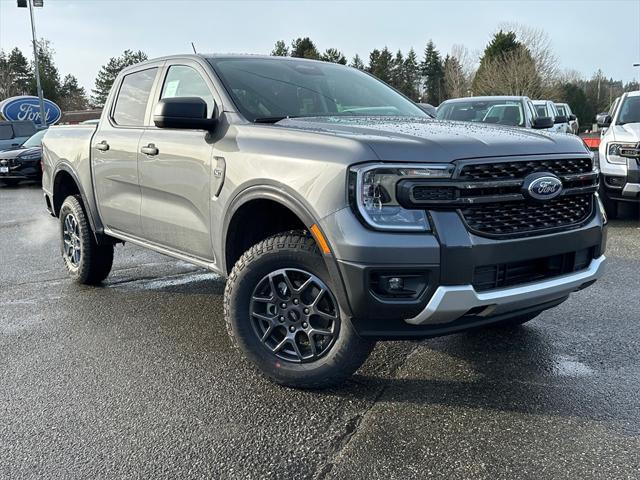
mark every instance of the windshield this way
{"type": "Point", "coordinates": [502, 112]}
{"type": "Point", "coordinates": [541, 110]}
{"type": "Point", "coordinates": [34, 140]}
{"type": "Point", "coordinates": [269, 89]}
{"type": "Point", "coordinates": [629, 111]}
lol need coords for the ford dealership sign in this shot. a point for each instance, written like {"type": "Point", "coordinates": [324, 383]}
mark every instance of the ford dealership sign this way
{"type": "Point", "coordinates": [28, 108]}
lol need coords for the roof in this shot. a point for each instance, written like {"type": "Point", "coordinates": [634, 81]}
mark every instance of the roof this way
{"type": "Point", "coordinates": [487, 98]}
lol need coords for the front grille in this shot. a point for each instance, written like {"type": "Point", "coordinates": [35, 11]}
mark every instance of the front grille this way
{"type": "Point", "coordinates": [488, 277]}
{"type": "Point", "coordinates": [509, 218]}
{"type": "Point", "coordinates": [519, 169]}
{"type": "Point", "coordinates": [433, 193]}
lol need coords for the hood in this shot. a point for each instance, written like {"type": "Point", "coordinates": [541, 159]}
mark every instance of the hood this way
{"type": "Point", "coordinates": [19, 151]}
{"type": "Point", "coordinates": [423, 139]}
{"type": "Point", "coordinates": [629, 132]}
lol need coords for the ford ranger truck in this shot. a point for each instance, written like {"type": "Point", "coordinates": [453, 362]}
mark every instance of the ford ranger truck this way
{"type": "Point", "coordinates": [339, 212]}
{"type": "Point", "coordinates": [619, 153]}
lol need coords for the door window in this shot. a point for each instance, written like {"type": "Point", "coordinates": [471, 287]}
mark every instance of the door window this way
{"type": "Point", "coordinates": [131, 103]}
{"type": "Point", "coordinates": [183, 81]}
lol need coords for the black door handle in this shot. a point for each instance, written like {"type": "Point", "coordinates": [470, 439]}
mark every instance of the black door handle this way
{"type": "Point", "coordinates": [103, 146]}
{"type": "Point", "coordinates": [150, 149]}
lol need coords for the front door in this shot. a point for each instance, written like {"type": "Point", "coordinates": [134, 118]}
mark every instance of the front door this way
{"type": "Point", "coordinates": [175, 173]}
{"type": "Point", "coordinates": [114, 153]}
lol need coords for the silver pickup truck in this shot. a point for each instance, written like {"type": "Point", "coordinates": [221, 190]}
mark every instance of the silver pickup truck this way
{"type": "Point", "coordinates": [340, 212]}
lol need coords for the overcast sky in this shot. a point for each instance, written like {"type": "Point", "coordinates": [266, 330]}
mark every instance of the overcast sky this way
{"type": "Point", "coordinates": [586, 35]}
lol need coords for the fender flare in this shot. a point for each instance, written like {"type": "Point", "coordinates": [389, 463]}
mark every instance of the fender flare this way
{"type": "Point", "coordinates": [297, 206]}
{"type": "Point", "coordinates": [65, 167]}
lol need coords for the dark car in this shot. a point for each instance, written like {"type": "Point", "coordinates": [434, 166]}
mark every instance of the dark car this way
{"type": "Point", "coordinates": [23, 162]}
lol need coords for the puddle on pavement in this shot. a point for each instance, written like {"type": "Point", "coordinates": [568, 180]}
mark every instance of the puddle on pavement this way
{"type": "Point", "coordinates": [567, 367]}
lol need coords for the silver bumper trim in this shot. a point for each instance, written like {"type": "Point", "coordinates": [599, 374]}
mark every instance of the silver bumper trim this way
{"type": "Point", "coordinates": [451, 302]}
{"type": "Point", "coordinates": [631, 190]}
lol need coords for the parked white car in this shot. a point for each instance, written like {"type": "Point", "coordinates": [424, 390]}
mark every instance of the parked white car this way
{"type": "Point", "coordinates": [546, 108]}
{"type": "Point", "coordinates": [619, 153]}
{"type": "Point", "coordinates": [565, 109]}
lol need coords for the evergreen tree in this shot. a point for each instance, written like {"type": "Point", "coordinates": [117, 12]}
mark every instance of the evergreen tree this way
{"type": "Point", "coordinates": [15, 74]}
{"type": "Point", "coordinates": [432, 70]}
{"type": "Point", "coordinates": [109, 72]}
{"type": "Point", "coordinates": [280, 49]}
{"type": "Point", "coordinates": [357, 62]}
{"type": "Point", "coordinates": [72, 96]}
{"type": "Point", "coordinates": [396, 75]}
{"type": "Point", "coordinates": [380, 64]}
{"type": "Point", "coordinates": [304, 48]}
{"type": "Point", "coordinates": [334, 55]}
{"type": "Point", "coordinates": [49, 75]}
{"type": "Point", "coordinates": [411, 74]}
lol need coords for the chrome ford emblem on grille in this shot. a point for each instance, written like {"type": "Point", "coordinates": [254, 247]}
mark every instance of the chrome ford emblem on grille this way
{"type": "Point", "coordinates": [542, 186]}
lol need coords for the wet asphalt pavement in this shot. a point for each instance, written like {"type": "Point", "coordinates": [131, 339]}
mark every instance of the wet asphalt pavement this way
{"type": "Point", "coordinates": [137, 379]}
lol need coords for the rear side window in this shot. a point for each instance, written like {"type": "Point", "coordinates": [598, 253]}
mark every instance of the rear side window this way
{"type": "Point", "coordinates": [183, 81]}
{"type": "Point", "coordinates": [24, 129]}
{"type": "Point", "coordinates": [131, 103]}
{"type": "Point", "coordinates": [6, 132]}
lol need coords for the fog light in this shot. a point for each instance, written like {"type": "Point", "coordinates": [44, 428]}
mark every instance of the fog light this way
{"type": "Point", "coordinates": [395, 284]}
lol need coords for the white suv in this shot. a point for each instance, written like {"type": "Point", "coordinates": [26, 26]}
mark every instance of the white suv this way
{"type": "Point", "coordinates": [619, 153]}
{"type": "Point", "coordinates": [546, 108]}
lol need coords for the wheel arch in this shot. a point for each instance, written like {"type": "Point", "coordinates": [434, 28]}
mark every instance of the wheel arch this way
{"type": "Point", "coordinates": [285, 200]}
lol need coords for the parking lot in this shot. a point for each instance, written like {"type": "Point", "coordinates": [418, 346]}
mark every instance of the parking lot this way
{"type": "Point", "coordinates": [137, 379]}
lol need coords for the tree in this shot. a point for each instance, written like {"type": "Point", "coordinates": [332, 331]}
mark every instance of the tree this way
{"type": "Point", "coordinates": [380, 64]}
{"type": "Point", "coordinates": [432, 70]}
{"type": "Point", "coordinates": [280, 49]}
{"type": "Point", "coordinates": [49, 75]}
{"type": "Point", "coordinates": [304, 48]}
{"type": "Point", "coordinates": [454, 80]}
{"type": "Point", "coordinates": [411, 75]}
{"type": "Point", "coordinates": [333, 55]}
{"type": "Point", "coordinates": [15, 74]}
{"type": "Point", "coordinates": [357, 62]}
{"type": "Point", "coordinates": [396, 75]}
{"type": "Point", "coordinates": [507, 68]}
{"type": "Point", "coordinates": [72, 96]}
{"type": "Point", "coordinates": [109, 71]}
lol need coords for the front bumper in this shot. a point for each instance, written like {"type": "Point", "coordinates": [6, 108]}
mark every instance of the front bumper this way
{"type": "Point", "coordinates": [449, 303]}
{"type": "Point", "coordinates": [622, 183]}
{"type": "Point", "coordinates": [449, 259]}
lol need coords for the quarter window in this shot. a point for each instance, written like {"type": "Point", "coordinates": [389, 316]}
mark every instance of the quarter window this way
{"type": "Point", "coordinates": [131, 103]}
{"type": "Point", "coordinates": [183, 81]}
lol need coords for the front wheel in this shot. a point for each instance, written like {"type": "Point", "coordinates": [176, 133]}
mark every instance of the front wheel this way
{"type": "Point", "coordinates": [86, 261]}
{"type": "Point", "coordinates": [282, 313]}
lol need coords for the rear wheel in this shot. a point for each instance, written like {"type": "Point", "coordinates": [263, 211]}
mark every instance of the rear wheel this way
{"type": "Point", "coordinates": [86, 261]}
{"type": "Point", "coordinates": [282, 313]}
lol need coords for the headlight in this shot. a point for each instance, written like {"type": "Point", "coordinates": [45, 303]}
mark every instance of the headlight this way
{"type": "Point", "coordinates": [373, 194]}
{"type": "Point", "coordinates": [29, 156]}
{"type": "Point", "coordinates": [613, 152]}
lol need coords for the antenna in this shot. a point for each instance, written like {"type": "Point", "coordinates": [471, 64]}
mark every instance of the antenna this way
{"type": "Point", "coordinates": [194, 48]}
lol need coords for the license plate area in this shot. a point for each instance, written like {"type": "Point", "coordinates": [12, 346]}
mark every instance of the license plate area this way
{"type": "Point", "coordinates": [4, 169]}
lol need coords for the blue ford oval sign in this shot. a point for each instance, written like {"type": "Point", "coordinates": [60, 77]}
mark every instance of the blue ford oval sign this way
{"type": "Point", "coordinates": [542, 186]}
{"type": "Point", "coordinates": [27, 107]}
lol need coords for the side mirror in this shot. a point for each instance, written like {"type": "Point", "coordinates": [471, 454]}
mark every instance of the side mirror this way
{"type": "Point", "coordinates": [182, 112]}
{"type": "Point", "coordinates": [572, 117]}
{"type": "Point", "coordinates": [542, 122]}
{"type": "Point", "coordinates": [561, 119]}
{"type": "Point", "coordinates": [427, 108]}
{"type": "Point", "coordinates": [603, 120]}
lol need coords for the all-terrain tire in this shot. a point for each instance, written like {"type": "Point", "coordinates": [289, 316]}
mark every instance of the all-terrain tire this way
{"type": "Point", "coordinates": [290, 250]}
{"type": "Point", "coordinates": [93, 262]}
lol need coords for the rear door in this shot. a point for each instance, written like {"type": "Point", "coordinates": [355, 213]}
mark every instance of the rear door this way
{"type": "Point", "coordinates": [114, 151]}
{"type": "Point", "coordinates": [175, 168]}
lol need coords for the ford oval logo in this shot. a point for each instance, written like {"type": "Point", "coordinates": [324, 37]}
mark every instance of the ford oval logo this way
{"type": "Point", "coordinates": [27, 107]}
{"type": "Point", "coordinates": [542, 186]}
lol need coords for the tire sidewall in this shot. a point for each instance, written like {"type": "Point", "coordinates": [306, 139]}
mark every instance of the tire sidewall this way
{"type": "Point", "coordinates": [244, 284]}
{"type": "Point", "coordinates": [72, 206]}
